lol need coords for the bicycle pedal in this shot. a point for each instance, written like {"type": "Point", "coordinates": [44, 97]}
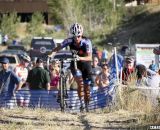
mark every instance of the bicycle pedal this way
{"type": "Point", "coordinates": [81, 109]}
{"type": "Point", "coordinates": [87, 110]}
{"type": "Point", "coordinates": [70, 107]}
{"type": "Point", "coordinates": [66, 96]}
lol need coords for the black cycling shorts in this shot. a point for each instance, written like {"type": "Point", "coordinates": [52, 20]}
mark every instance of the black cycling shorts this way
{"type": "Point", "coordinates": [85, 67]}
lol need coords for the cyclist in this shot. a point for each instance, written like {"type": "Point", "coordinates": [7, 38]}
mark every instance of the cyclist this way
{"type": "Point", "coordinates": [84, 48]}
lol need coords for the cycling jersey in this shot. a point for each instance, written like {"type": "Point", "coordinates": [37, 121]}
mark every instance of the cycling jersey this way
{"type": "Point", "coordinates": [83, 49]}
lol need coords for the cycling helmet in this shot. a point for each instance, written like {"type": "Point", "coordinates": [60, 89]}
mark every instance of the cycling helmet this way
{"type": "Point", "coordinates": [76, 29]}
{"type": "Point", "coordinates": [25, 57]}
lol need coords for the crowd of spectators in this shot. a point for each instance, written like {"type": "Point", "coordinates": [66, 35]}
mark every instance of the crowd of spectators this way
{"type": "Point", "coordinates": [24, 81]}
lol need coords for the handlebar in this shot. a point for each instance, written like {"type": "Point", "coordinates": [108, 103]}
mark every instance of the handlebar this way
{"type": "Point", "coordinates": [64, 58]}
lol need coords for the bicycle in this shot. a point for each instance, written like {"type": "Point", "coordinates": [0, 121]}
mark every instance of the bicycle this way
{"type": "Point", "coordinates": [63, 77]}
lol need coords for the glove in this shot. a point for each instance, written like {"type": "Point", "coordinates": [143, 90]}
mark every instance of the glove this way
{"type": "Point", "coordinates": [51, 54]}
{"type": "Point", "coordinates": [77, 57]}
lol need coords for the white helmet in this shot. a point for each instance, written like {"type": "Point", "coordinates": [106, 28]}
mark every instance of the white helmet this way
{"type": "Point", "coordinates": [26, 57]}
{"type": "Point", "coordinates": [76, 29]}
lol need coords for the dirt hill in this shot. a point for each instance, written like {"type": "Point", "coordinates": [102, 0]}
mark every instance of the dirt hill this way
{"type": "Point", "coordinates": [142, 27]}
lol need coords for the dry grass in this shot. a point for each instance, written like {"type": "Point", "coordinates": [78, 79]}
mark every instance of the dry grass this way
{"type": "Point", "coordinates": [21, 30]}
{"type": "Point", "coordinates": [26, 119]}
{"type": "Point", "coordinates": [132, 99]}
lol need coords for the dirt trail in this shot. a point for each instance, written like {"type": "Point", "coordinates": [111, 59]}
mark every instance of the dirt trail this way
{"type": "Point", "coordinates": [42, 119]}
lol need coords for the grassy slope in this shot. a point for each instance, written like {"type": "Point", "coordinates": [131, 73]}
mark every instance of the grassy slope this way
{"type": "Point", "coordinates": [143, 27]}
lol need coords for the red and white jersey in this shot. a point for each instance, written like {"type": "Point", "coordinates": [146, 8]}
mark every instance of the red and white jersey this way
{"type": "Point", "coordinates": [21, 72]}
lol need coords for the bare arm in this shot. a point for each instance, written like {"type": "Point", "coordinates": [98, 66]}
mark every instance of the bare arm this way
{"type": "Point", "coordinates": [48, 86]}
{"type": "Point", "coordinates": [52, 53]}
{"type": "Point", "coordinates": [18, 86]}
{"type": "Point", "coordinates": [97, 80]}
{"type": "Point", "coordinates": [105, 84]}
{"type": "Point", "coordinates": [59, 47]}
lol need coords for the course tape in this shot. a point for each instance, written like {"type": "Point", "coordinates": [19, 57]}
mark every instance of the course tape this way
{"type": "Point", "coordinates": [99, 98]}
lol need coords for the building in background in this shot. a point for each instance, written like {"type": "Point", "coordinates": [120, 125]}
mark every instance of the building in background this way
{"type": "Point", "coordinates": [25, 8]}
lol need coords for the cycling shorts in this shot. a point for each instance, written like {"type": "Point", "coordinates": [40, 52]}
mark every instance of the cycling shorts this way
{"type": "Point", "coordinates": [85, 67]}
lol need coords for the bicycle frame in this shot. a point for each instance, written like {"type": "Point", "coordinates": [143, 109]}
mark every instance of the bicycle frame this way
{"type": "Point", "coordinates": [63, 77]}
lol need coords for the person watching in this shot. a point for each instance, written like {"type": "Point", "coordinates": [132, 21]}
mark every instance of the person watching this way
{"type": "Point", "coordinates": [38, 81]}
{"type": "Point", "coordinates": [96, 70]}
{"type": "Point", "coordinates": [153, 66]}
{"type": "Point", "coordinates": [21, 71]}
{"type": "Point", "coordinates": [9, 85]}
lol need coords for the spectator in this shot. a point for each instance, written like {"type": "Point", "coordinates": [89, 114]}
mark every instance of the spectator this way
{"type": "Point", "coordinates": [124, 50]}
{"type": "Point", "coordinates": [39, 83]}
{"type": "Point", "coordinates": [141, 73]}
{"type": "Point", "coordinates": [54, 70]}
{"type": "Point", "coordinates": [99, 55]}
{"type": "Point", "coordinates": [153, 78]}
{"type": "Point", "coordinates": [55, 75]}
{"type": "Point", "coordinates": [9, 84]}
{"type": "Point", "coordinates": [5, 39]}
{"type": "Point", "coordinates": [153, 66]}
{"type": "Point", "coordinates": [128, 69]}
{"type": "Point", "coordinates": [104, 56]}
{"type": "Point", "coordinates": [33, 63]}
{"type": "Point", "coordinates": [102, 81]}
{"type": "Point", "coordinates": [22, 72]}
{"type": "Point", "coordinates": [95, 51]}
{"type": "Point", "coordinates": [15, 42]}
{"type": "Point", "coordinates": [96, 70]}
